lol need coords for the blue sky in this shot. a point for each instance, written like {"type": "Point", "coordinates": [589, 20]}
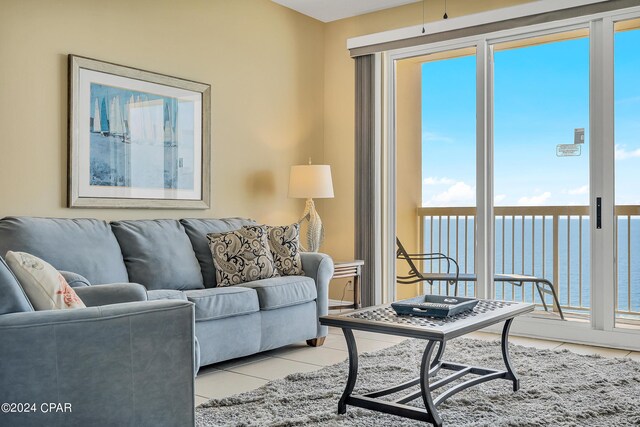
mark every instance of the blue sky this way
{"type": "Point", "coordinates": [541, 96]}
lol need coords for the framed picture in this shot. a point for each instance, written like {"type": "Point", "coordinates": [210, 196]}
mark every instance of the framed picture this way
{"type": "Point", "coordinates": [137, 139]}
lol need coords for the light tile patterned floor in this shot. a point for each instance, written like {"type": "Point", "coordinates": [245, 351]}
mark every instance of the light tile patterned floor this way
{"type": "Point", "coordinates": [248, 373]}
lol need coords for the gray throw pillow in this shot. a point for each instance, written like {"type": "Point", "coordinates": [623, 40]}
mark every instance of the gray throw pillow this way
{"type": "Point", "coordinates": [242, 255]}
{"type": "Point", "coordinates": [285, 247]}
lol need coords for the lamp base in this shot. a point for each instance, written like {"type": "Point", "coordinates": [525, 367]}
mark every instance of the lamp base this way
{"type": "Point", "coordinates": [315, 230]}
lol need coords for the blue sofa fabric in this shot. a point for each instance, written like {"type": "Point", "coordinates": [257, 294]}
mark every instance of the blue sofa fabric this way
{"type": "Point", "coordinates": [319, 267]}
{"type": "Point", "coordinates": [159, 294]}
{"type": "Point", "coordinates": [197, 230]}
{"type": "Point", "coordinates": [172, 260]}
{"type": "Point", "coordinates": [12, 296]}
{"type": "Point", "coordinates": [110, 363]}
{"type": "Point", "coordinates": [278, 292]}
{"type": "Point", "coordinates": [158, 254]}
{"type": "Point", "coordinates": [278, 329]}
{"type": "Point", "coordinates": [84, 246]}
{"type": "Point", "coordinates": [218, 303]}
{"type": "Point", "coordinates": [75, 280]}
{"type": "Point", "coordinates": [115, 293]}
{"type": "Point", "coordinates": [228, 338]}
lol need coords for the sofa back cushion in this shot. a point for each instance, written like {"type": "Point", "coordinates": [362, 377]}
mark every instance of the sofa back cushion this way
{"type": "Point", "coordinates": [83, 246]}
{"type": "Point", "coordinates": [12, 296]}
{"type": "Point", "coordinates": [197, 230]}
{"type": "Point", "coordinates": [158, 254]}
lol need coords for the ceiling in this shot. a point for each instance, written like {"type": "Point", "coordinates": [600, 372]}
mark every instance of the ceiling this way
{"type": "Point", "coordinates": [332, 10]}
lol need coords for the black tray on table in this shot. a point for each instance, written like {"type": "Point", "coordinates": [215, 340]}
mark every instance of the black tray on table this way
{"type": "Point", "coordinates": [434, 306]}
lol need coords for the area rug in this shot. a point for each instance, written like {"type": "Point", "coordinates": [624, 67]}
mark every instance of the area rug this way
{"type": "Point", "coordinates": [557, 388]}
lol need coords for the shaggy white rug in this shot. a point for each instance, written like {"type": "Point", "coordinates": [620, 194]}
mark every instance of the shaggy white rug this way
{"type": "Point", "coordinates": [557, 388]}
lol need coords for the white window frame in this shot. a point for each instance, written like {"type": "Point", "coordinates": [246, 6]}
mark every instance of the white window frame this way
{"type": "Point", "coordinates": [602, 329]}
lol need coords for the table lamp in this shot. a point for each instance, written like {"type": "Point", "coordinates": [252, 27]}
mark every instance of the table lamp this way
{"type": "Point", "coordinates": [311, 182]}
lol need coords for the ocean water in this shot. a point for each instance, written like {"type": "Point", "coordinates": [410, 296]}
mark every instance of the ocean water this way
{"type": "Point", "coordinates": [524, 248]}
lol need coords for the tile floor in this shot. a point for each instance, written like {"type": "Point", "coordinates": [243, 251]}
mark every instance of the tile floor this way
{"type": "Point", "coordinates": [247, 373]}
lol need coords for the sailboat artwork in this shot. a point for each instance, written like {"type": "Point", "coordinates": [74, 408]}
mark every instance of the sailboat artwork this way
{"type": "Point", "coordinates": [140, 139]}
{"type": "Point", "coordinates": [95, 120]}
{"type": "Point", "coordinates": [137, 139]}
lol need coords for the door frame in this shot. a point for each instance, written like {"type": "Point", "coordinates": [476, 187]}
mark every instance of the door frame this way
{"type": "Point", "coordinates": [389, 149]}
{"type": "Point", "coordinates": [601, 330]}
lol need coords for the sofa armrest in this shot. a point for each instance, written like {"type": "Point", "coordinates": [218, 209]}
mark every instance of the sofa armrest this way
{"type": "Point", "coordinates": [319, 267]}
{"type": "Point", "coordinates": [114, 293]}
{"type": "Point", "coordinates": [75, 280]}
{"type": "Point", "coordinates": [123, 364]}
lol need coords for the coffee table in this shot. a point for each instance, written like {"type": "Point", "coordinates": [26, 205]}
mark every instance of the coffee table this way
{"type": "Point", "coordinates": [383, 319]}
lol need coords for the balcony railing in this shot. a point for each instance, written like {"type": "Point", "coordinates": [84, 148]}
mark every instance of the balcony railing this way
{"type": "Point", "coordinates": [546, 241]}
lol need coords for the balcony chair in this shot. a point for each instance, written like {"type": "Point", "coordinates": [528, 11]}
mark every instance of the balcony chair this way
{"type": "Point", "coordinates": [415, 275]}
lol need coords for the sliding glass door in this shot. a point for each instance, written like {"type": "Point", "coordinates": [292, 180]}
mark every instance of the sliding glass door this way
{"type": "Point", "coordinates": [436, 117]}
{"type": "Point", "coordinates": [541, 168]}
{"type": "Point", "coordinates": [447, 212]}
{"type": "Point", "coordinates": [627, 171]}
{"type": "Point", "coordinates": [525, 146]}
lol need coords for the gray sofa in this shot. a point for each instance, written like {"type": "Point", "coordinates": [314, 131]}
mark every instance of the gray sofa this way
{"type": "Point", "coordinates": [125, 364]}
{"type": "Point", "coordinates": [171, 259]}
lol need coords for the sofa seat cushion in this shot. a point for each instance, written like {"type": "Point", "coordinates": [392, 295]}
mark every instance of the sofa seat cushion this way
{"type": "Point", "coordinates": [158, 254]}
{"type": "Point", "coordinates": [159, 294]}
{"type": "Point", "coordinates": [197, 230]}
{"type": "Point", "coordinates": [219, 303]}
{"type": "Point", "coordinates": [283, 291]}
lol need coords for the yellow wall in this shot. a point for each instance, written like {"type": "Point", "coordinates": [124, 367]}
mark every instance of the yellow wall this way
{"type": "Point", "coordinates": [264, 63]}
{"type": "Point", "coordinates": [282, 90]}
{"type": "Point", "coordinates": [338, 213]}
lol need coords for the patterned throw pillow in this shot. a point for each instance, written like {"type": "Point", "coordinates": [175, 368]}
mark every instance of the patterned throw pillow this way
{"type": "Point", "coordinates": [285, 248]}
{"type": "Point", "coordinates": [242, 255]}
{"type": "Point", "coordinates": [43, 284]}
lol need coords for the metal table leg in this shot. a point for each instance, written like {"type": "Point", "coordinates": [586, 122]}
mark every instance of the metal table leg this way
{"type": "Point", "coordinates": [510, 374]}
{"type": "Point", "coordinates": [425, 389]}
{"type": "Point", "coordinates": [353, 369]}
{"type": "Point", "coordinates": [428, 370]}
{"type": "Point", "coordinates": [438, 358]}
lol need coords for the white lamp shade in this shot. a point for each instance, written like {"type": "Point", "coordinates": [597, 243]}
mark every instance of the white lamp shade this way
{"type": "Point", "coordinates": [310, 182]}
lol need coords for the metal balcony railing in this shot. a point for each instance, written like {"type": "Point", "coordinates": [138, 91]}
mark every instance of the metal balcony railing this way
{"type": "Point", "coordinates": [546, 241]}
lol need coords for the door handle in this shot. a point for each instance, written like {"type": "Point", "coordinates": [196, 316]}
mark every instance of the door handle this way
{"type": "Point", "coordinates": [598, 212]}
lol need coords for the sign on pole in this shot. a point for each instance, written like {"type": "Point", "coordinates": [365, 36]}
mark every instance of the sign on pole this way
{"type": "Point", "coordinates": [566, 150]}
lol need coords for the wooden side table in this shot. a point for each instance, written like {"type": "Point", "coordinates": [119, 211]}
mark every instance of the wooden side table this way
{"type": "Point", "coordinates": [343, 269]}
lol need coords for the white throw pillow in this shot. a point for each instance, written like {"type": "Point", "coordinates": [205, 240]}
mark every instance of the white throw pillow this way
{"type": "Point", "coordinates": [43, 284]}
